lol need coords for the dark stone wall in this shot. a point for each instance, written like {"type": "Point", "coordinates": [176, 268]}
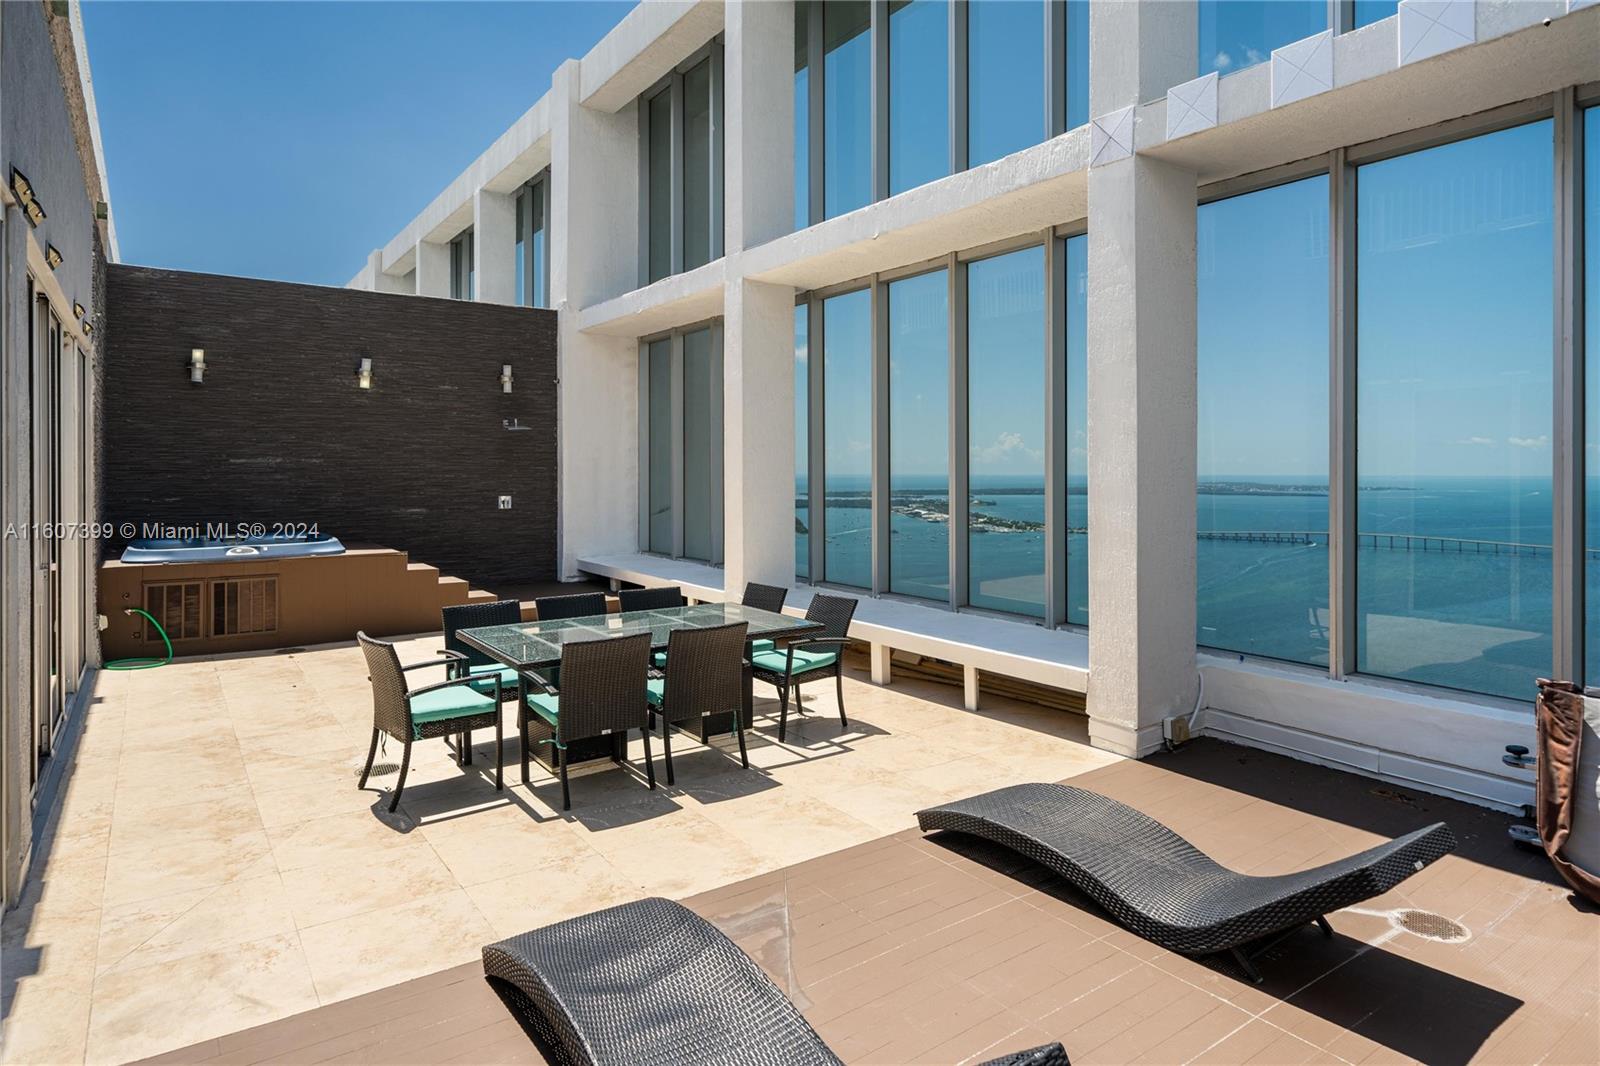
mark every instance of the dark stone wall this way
{"type": "Point", "coordinates": [279, 432]}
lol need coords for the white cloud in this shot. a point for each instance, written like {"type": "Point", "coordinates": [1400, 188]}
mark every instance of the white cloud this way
{"type": "Point", "coordinates": [1540, 441]}
{"type": "Point", "coordinates": [1007, 447]}
{"type": "Point", "coordinates": [1254, 56]}
{"type": "Point", "coordinates": [1475, 440]}
{"type": "Point", "coordinates": [1223, 61]}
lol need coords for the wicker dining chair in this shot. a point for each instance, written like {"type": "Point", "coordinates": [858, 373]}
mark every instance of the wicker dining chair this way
{"type": "Point", "coordinates": [577, 605]}
{"type": "Point", "coordinates": [474, 662]}
{"type": "Point", "coordinates": [602, 694]}
{"type": "Point", "coordinates": [452, 706]}
{"type": "Point", "coordinates": [650, 599]}
{"type": "Point", "coordinates": [764, 598]}
{"type": "Point", "coordinates": [707, 677]}
{"type": "Point", "coordinates": [784, 668]}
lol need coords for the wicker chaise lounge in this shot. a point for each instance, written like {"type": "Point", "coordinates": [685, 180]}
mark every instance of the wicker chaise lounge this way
{"type": "Point", "coordinates": [1164, 888]}
{"type": "Point", "coordinates": [651, 982]}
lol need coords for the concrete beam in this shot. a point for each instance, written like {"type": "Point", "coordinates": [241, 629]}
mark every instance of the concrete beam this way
{"type": "Point", "coordinates": [494, 247]}
{"type": "Point", "coordinates": [758, 434]}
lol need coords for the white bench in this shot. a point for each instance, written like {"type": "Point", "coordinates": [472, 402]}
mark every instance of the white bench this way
{"type": "Point", "coordinates": [1058, 658]}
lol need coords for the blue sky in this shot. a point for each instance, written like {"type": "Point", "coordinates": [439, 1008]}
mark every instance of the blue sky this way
{"type": "Point", "coordinates": [287, 140]}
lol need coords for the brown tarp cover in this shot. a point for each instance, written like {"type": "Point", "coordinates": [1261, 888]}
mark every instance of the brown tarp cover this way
{"type": "Point", "coordinates": [1560, 720]}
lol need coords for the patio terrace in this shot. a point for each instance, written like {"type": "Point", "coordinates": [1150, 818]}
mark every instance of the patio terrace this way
{"type": "Point", "coordinates": [215, 888]}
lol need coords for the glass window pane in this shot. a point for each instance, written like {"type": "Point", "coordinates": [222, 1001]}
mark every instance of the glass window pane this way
{"type": "Point", "coordinates": [919, 436]}
{"type": "Point", "coordinates": [521, 280]}
{"type": "Point", "coordinates": [697, 163]}
{"type": "Point", "coordinates": [1005, 79]}
{"type": "Point", "coordinates": [802, 443]}
{"type": "Point", "coordinates": [1077, 63]}
{"type": "Point", "coordinates": [802, 115]}
{"type": "Point", "coordinates": [1005, 420]}
{"type": "Point", "coordinates": [540, 295]}
{"type": "Point", "coordinates": [847, 438]}
{"type": "Point", "coordinates": [1235, 34]}
{"type": "Point", "coordinates": [1262, 455]}
{"type": "Point", "coordinates": [1370, 11]}
{"type": "Point", "coordinates": [700, 487]}
{"type": "Point", "coordinates": [1591, 348]}
{"type": "Point", "coordinates": [847, 106]}
{"type": "Point", "coordinates": [919, 93]}
{"type": "Point", "coordinates": [660, 356]}
{"type": "Point", "coordinates": [1454, 263]}
{"type": "Point", "coordinates": [1076, 263]}
{"type": "Point", "coordinates": [660, 192]}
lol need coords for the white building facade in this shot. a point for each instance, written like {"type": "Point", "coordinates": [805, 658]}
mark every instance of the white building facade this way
{"type": "Point", "coordinates": [1223, 362]}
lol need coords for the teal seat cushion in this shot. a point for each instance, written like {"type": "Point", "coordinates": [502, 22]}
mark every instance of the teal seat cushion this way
{"type": "Point", "coordinates": [457, 701]}
{"type": "Point", "coordinates": [660, 660]}
{"type": "Point", "coordinates": [655, 692]}
{"type": "Point", "coordinates": [483, 678]}
{"type": "Point", "coordinates": [761, 645]}
{"type": "Point", "coordinates": [545, 706]}
{"type": "Point", "coordinates": [804, 661]}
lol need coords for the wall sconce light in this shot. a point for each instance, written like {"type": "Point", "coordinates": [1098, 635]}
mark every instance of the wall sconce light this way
{"type": "Point", "coordinates": [505, 378]}
{"type": "Point", "coordinates": [77, 309]}
{"type": "Point", "coordinates": [52, 256]}
{"type": "Point", "coordinates": [197, 366]}
{"type": "Point", "coordinates": [88, 328]}
{"type": "Point", "coordinates": [35, 213]}
{"type": "Point", "coordinates": [364, 374]}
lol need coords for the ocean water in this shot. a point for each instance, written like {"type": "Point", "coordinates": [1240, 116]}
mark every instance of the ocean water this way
{"type": "Point", "coordinates": [1469, 608]}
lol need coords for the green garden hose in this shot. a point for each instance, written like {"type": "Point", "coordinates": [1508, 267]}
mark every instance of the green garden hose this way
{"type": "Point", "coordinates": [143, 664]}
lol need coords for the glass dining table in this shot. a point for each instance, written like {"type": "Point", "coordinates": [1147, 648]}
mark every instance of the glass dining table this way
{"type": "Point", "coordinates": [528, 646]}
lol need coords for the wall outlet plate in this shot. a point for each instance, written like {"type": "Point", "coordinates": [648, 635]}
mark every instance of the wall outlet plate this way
{"type": "Point", "coordinates": [505, 503]}
{"type": "Point", "coordinates": [1176, 729]}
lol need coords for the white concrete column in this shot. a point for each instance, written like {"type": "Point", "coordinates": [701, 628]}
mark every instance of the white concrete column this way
{"type": "Point", "coordinates": [881, 656]}
{"type": "Point", "coordinates": [759, 115]}
{"type": "Point", "coordinates": [1141, 451]}
{"type": "Point", "coordinates": [433, 269]}
{"type": "Point", "coordinates": [969, 687]}
{"type": "Point", "coordinates": [494, 247]}
{"type": "Point", "coordinates": [375, 279]}
{"type": "Point", "coordinates": [594, 220]}
{"type": "Point", "coordinates": [758, 434]}
{"type": "Point", "coordinates": [1141, 394]}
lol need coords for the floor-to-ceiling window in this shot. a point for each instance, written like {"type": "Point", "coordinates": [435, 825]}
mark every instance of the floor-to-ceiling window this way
{"type": "Point", "coordinates": [802, 442]}
{"type": "Point", "coordinates": [1369, 11]}
{"type": "Point", "coordinates": [802, 114]}
{"type": "Point", "coordinates": [1262, 455]}
{"type": "Point", "coordinates": [1454, 404]}
{"type": "Point", "coordinates": [702, 459]}
{"type": "Point", "coordinates": [533, 263]}
{"type": "Point", "coordinates": [919, 93]}
{"type": "Point", "coordinates": [847, 438]}
{"type": "Point", "coordinates": [1591, 348]}
{"type": "Point", "coordinates": [660, 514]}
{"type": "Point", "coordinates": [681, 146]}
{"type": "Point", "coordinates": [462, 279]}
{"type": "Point", "coordinates": [1005, 78]}
{"type": "Point", "coordinates": [681, 426]}
{"type": "Point", "coordinates": [919, 435]}
{"type": "Point", "coordinates": [1077, 79]}
{"type": "Point", "coordinates": [1235, 34]}
{"type": "Point", "coordinates": [847, 106]}
{"type": "Point", "coordinates": [1006, 407]}
{"type": "Point", "coordinates": [658, 195]}
{"type": "Point", "coordinates": [1075, 261]}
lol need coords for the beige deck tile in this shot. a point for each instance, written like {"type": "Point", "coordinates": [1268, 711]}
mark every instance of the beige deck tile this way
{"type": "Point", "coordinates": [330, 892]}
{"type": "Point", "coordinates": [186, 864]}
{"type": "Point", "coordinates": [380, 947]}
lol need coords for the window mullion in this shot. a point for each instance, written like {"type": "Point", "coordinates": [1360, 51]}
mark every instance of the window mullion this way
{"type": "Point", "coordinates": [815, 466]}
{"type": "Point", "coordinates": [1055, 433]}
{"type": "Point", "coordinates": [1341, 417]}
{"type": "Point", "coordinates": [1567, 423]}
{"type": "Point", "coordinates": [880, 436]}
{"type": "Point", "coordinates": [676, 166]}
{"type": "Point", "coordinates": [960, 492]}
{"type": "Point", "coordinates": [815, 81]}
{"type": "Point", "coordinates": [677, 445]}
{"type": "Point", "coordinates": [958, 86]}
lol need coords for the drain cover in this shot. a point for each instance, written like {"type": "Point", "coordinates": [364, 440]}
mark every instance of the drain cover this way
{"type": "Point", "coordinates": [380, 769]}
{"type": "Point", "coordinates": [1430, 926]}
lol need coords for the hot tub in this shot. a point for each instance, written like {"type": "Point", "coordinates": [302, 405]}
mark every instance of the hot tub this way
{"type": "Point", "coordinates": [221, 550]}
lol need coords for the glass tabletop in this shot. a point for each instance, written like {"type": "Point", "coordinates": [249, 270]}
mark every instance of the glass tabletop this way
{"type": "Point", "coordinates": [529, 644]}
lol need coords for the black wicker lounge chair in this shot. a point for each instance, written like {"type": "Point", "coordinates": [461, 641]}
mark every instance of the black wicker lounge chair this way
{"type": "Point", "coordinates": [651, 982]}
{"type": "Point", "coordinates": [785, 667]}
{"type": "Point", "coordinates": [449, 708]}
{"type": "Point", "coordinates": [1164, 888]}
